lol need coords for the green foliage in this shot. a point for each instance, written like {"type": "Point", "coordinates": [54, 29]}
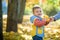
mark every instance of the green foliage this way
{"type": "Point", "coordinates": [51, 7]}
{"type": "Point", "coordinates": [27, 12]}
{"type": "Point", "coordinates": [50, 12]}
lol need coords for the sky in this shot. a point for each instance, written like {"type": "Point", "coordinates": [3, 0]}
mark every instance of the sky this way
{"type": "Point", "coordinates": [4, 7]}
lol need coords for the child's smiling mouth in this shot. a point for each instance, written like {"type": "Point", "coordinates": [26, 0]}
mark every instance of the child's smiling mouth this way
{"type": "Point", "coordinates": [39, 14]}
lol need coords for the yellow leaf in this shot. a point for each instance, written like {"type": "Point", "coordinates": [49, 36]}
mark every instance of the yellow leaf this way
{"type": "Point", "coordinates": [33, 32]}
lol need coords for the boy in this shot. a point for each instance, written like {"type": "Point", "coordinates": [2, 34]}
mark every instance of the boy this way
{"type": "Point", "coordinates": [38, 22]}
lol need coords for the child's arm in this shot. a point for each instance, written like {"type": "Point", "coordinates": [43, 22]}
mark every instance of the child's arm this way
{"type": "Point", "coordinates": [39, 23]}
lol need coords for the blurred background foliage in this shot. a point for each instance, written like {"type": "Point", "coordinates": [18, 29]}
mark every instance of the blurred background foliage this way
{"type": "Point", "coordinates": [50, 7]}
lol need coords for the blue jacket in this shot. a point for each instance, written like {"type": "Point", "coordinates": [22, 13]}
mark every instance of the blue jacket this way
{"type": "Point", "coordinates": [37, 28]}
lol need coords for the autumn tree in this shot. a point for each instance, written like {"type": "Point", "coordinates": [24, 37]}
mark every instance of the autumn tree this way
{"type": "Point", "coordinates": [12, 16]}
{"type": "Point", "coordinates": [21, 8]}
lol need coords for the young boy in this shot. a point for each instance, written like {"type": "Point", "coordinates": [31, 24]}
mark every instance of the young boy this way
{"type": "Point", "coordinates": [38, 22]}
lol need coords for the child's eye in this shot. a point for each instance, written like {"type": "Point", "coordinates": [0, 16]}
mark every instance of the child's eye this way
{"type": "Point", "coordinates": [37, 11]}
{"type": "Point", "coordinates": [40, 11]}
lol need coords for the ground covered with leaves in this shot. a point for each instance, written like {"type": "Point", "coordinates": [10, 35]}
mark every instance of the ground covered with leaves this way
{"type": "Point", "coordinates": [24, 29]}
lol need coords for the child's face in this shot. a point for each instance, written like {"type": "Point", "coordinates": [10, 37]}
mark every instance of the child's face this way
{"type": "Point", "coordinates": [37, 12]}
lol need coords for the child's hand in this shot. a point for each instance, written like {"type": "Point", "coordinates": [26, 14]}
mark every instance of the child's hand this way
{"type": "Point", "coordinates": [47, 21]}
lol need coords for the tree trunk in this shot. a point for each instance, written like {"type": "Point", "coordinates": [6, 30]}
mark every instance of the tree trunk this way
{"type": "Point", "coordinates": [21, 8]}
{"type": "Point", "coordinates": [1, 34]}
{"type": "Point", "coordinates": [12, 16]}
